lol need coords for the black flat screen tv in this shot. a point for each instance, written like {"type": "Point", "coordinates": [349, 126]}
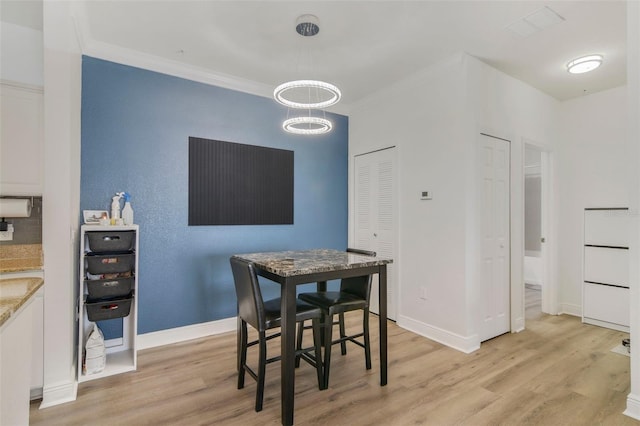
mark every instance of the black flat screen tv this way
{"type": "Point", "coordinates": [238, 184]}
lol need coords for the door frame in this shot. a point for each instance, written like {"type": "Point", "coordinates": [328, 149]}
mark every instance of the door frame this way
{"type": "Point", "coordinates": [548, 248]}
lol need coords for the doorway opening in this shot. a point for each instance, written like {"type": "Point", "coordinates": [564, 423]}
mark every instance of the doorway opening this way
{"type": "Point", "coordinates": [538, 256]}
{"type": "Point", "coordinates": [533, 235]}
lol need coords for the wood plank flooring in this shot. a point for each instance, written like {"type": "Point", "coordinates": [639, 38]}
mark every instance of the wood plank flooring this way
{"type": "Point", "coordinates": [557, 372]}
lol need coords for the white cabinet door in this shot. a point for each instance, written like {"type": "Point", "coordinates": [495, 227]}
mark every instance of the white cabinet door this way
{"type": "Point", "coordinates": [21, 140]}
{"type": "Point", "coordinates": [606, 303]}
{"type": "Point", "coordinates": [606, 265]}
{"type": "Point", "coordinates": [607, 227]}
{"type": "Point", "coordinates": [15, 365]}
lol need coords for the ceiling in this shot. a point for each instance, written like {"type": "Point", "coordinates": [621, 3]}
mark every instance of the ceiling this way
{"type": "Point", "coordinates": [362, 45]}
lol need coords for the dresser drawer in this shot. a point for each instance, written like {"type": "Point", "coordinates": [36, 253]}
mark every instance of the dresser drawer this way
{"type": "Point", "coordinates": [608, 227]}
{"type": "Point", "coordinates": [606, 303]}
{"type": "Point", "coordinates": [606, 265]}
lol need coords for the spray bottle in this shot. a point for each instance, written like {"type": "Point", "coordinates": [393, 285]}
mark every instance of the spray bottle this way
{"type": "Point", "coordinates": [115, 207]}
{"type": "Point", "coordinates": [127, 211]}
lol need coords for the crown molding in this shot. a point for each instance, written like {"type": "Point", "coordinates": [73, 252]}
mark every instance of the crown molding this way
{"type": "Point", "coordinates": [149, 62]}
{"type": "Point", "coordinates": [123, 55]}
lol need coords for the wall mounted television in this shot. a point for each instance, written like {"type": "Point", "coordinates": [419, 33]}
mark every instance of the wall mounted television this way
{"type": "Point", "coordinates": [237, 184]}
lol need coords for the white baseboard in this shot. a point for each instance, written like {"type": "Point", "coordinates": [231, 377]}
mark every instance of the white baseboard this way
{"type": "Point", "coordinates": [570, 309]}
{"type": "Point", "coordinates": [59, 393]}
{"type": "Point", "coordinates": [455, 341]}
{"type": "Point", "coordinates": [633, 406]}
{"type": "Point", "coordinates": [518, 325]}
{"type": "Point", "coordinates": [599, 323]}
{"type": "Point", "coordinates": [182, 334]}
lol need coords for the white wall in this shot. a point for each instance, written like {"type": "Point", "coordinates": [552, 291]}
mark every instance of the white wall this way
{"type": "Point", "coordinates": [21, 54]}
{"type": "Point", "coordinates": [60, 213]}
{"type": "Point", "coordinates": [633, 139]}
{"type": "Point", "coordinates": [591, 160]}
{"type": "Point", "coordinates": [433, 118]}
{"type": "Point", "coordinates": [421, 117]}
{"type": "Point", "coordinates": [508, 108]}
{"type": "Point", "coordinates": [51, 58]}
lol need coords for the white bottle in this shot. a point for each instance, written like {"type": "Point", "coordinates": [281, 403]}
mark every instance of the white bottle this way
{"type": "Point", "coordinates": [115, 208]}
{"type": "Point", "coordinates": [127, 213]}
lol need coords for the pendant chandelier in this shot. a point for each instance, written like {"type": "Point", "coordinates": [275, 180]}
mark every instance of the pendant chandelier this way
{"type": "Point", "coordinates": [307, 95]}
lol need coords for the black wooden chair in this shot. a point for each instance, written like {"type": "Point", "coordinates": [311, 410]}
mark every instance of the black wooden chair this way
{"type": "Point", "coordinates": [265, 315]}
{"type": "Point", "coordinates": [354, 294]}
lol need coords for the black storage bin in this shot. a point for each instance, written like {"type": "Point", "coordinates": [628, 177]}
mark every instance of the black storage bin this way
{"type": "Point", "coordinates": [110, 288]}
{"type": "Point", "coordinates": [108, 309]}
{"type": "Point", "coordinates": [111, 263]}
{"type": "Point", "coordinates": [109, 241]}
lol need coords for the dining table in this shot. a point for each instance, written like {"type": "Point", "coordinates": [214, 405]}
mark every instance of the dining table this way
{"type": "Point", "coordinates": [296, 267]}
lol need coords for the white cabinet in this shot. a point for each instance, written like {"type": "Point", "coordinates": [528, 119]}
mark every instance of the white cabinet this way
{"type": "Point", "coordinates": [108, 292]}
{"type": "Point", "coordinates": [605, 291]}
{"type": "Point", "coordinates": [15, 365]}
{"type": "Point", "coordinates": [21, 139]}
{"type": "Point", "coordinates": [37, 350]}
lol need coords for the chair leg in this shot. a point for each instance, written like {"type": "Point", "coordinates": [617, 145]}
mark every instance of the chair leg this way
{"type": "Point", "coordinates": [328, 328]}
{"type": "Point", "coordinates": [343, 343]}
{"type": "Point", "coordinates": [299, 341]}
{"type": "Point", "coordinates": [262, 364]}
{"type": "Point", "coordinates": [367, 343]}
{"type": "Point", "coordinates": [317, 333]}
{"type": "Point", "coordinates": [242, 351]}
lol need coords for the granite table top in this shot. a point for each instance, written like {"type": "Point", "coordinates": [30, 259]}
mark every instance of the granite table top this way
{"type": "Point", "coordinates": [303, 262]}
{"type": "Point", "coordinates": [14, 293]}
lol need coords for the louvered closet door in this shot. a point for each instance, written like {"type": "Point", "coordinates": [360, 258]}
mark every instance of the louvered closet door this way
{"type": "Point", "coordinates": [375, 216]}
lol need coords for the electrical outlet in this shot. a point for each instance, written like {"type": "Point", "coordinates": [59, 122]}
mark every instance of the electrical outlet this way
{"type": "Point", "coordinates": [8, 234]}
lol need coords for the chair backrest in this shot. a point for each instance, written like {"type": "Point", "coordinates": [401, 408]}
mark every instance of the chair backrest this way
{"type": "Point", "coordinates": [358, 286]}
{"type": "Point", "coordinates": [250, 302]}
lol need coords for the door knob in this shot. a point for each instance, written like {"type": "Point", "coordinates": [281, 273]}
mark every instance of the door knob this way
{"type": "Point", "coordinates": [375, 235]}
{"type": "Point", "coordinates": [542, 240]}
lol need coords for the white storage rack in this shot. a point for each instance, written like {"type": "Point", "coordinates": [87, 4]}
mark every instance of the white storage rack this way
{"type": "Point", "coordinates": [121, 353]}
{"type": "Point", "coordinates": [605, 290]}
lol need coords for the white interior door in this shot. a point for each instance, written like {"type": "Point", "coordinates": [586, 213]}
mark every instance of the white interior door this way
{"type": "Point", "coordinates": [375, 216]}
{"type": "Point", "coordinates": [494, 159]}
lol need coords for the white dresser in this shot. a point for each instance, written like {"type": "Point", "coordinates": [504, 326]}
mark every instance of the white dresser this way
{"type": "Point", "coordinates": [605, 291]}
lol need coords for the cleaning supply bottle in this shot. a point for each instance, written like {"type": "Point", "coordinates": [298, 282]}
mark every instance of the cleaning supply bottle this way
{"type": "Point", "coordinates": [127, 211]}
{"type": "Point", "coordinates": [115, 207]}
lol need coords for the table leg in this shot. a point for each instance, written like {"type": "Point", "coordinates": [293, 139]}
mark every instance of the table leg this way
{"type": "Point", "coordinates": [382, 298]}
{"type": "Point", "coordinates": [287, 364]}
{"type": "Point", "coordinates": [321, 286]}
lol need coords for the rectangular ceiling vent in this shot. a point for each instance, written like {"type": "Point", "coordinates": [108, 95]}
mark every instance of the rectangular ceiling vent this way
{"type": "Point", "coordinates": [535, 22]}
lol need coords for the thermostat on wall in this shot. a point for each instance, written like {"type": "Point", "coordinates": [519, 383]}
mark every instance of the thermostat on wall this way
{"type": "Point", "coordinates": [425, 195]}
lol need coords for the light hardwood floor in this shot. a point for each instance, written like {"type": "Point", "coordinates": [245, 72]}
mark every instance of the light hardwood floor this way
{"type": "Point", "coordinates": [557, 372]}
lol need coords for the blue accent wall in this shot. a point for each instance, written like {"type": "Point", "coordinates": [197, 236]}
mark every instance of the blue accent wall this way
{"type": "Point", "coordinates": [135, 129]}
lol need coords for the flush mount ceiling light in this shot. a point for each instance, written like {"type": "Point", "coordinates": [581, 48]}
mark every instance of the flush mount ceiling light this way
{"type": "Point", "coordinates": [307, 125]}
{"type": "Point", "coordinates": [584, 64]}
{"type": "Point", "coordinates": [306, 93]}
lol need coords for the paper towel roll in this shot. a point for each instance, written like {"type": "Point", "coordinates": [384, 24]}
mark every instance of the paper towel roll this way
{"type": "Point", "coordinates": [15, 207]}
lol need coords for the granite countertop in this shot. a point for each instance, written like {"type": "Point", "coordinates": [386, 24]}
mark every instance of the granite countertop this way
{"type": "Point", "coordinates": [21, 257]}
{"type": "Point", "coordinates": [303, 262]}
{"type": "Point", "coordinates": [15, 292]}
